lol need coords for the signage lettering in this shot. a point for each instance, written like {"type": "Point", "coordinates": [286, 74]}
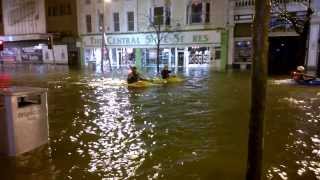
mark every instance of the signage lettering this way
{"type": "Point", "coordinates": [150, 39]}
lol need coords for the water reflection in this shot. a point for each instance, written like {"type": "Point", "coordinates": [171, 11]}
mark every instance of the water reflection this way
{"type": "Point", "coordinates": [115, 147]}
{"type": "Point", "coordinates": [303, 143]}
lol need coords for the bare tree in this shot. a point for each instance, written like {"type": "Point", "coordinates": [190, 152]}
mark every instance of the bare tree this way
{"type": "Point", "coordinates": [161, 24]}
{"type": "Point", "coordinates": [160, 32]}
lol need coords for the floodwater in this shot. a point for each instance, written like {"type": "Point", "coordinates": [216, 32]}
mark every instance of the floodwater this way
{"type": "Point", "coordinates": [100, 129]}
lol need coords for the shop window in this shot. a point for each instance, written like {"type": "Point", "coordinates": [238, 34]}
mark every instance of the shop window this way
{"type": "Point", "coordinates": [88, 23]}
{"type": "Point", "coordinates": [116, 22]}
{"type": "Point", "coordinates": [199, 55]}
{"type": "Point", "coordinates": [243, 51]}
{"type": "Point", "coordinates": [217, 54]}
{"type": "Point", "coordinates": [130, 16]}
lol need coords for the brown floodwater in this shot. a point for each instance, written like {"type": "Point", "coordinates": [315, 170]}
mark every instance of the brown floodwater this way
{"type": "Point", "coordinates": [198, 129]}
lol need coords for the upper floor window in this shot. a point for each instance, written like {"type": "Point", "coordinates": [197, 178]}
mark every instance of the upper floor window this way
{"type": "Point", "coordinates": [59, 10]}
{"type": "Point", "coordinates": [162, 15]}
{"type": "Point", "coordinates": [198, 12]}
{"type": "Point", "coordinates": [130, 16]}
{"type": "Point", "coordinates": [116, 22]}
{"type": "Point", "coordinates": [158, 15]}
{"type": "Point", "coordinates": [88, 23]}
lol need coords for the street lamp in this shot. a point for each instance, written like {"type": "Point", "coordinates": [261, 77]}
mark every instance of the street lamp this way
{"type": "Point", "coordinates": [103, 34]}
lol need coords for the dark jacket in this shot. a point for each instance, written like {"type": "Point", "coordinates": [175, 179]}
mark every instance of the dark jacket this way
{"type": "Point", "coordinates": [165, 74]}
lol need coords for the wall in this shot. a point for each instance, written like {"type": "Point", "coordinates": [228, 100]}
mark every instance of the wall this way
{"type": "Point", "coordinates": [24, 16]}
{"type": "Point", "coordinates": [141, 8]}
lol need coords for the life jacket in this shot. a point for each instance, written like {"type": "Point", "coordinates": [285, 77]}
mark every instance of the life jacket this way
{"type": "Point", "coordinates": [297, 76]}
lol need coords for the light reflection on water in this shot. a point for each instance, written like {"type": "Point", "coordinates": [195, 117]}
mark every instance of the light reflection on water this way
{"type": "Point", "coordinates": [116, 149]}
{"type": "Point", "coordinates": [194, 130]}
{"type": "Point", "coordinates": [303, 145]}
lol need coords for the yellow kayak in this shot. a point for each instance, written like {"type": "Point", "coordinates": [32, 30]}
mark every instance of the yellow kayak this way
{"type": "Point", "coordinates": [155, 82]}
{"type": "Point", "coordinates": [170, 80]}
{"type": "Point", "coordinates": [141, 84]}
{"type": "Point", "coordinates": [174, 79]}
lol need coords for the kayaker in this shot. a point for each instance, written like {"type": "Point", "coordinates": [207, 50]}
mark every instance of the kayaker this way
{"type": "Point", "coordinates": [165, 73]}
{"type": "Point", "coordinates": [299, 75]}
{"type": "Point", "coordinates": [134, 76]}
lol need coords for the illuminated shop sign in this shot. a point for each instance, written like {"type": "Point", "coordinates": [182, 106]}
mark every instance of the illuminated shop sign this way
{"type": "Point", "coordinates": [150, 39]}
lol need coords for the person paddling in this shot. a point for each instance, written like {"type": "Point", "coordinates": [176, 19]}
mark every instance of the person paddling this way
{"type": "Point", "coordinates": [134, 76]}
{"type": "Point", "coordinates": [165, 73]}
{"type": "Point", "coordinates": [300, 75]}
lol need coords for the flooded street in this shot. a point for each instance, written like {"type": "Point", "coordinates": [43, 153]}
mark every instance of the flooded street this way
{"type": "Point", "coordinates": [198, 129]}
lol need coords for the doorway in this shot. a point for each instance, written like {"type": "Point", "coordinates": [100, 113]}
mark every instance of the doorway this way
{"type": "Point", "coordinates": [180, 59]}
{"type": "Point", "coordinates": [283, 55]}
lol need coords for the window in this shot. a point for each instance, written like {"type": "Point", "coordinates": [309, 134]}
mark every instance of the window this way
{"type": "Point", "coordinates": [88, 1]}
{"type": "Point", "coordinates": [162, 15]}
{"type": "Point", "coordinates": [68, 9]}
{"type": "Point", "coordinates": [101, 22]}
{"type": "Point", "coordinates": [62, 10]}
{"type": "Point", "coordinates": [88, 23]}
{"type": "Point", "coordinates": [116, 22]}
{"type": "Point", "coordinates": [59, 10]}
{"type": "Point", "coordinates": [198, 12]}
{"type": "Point", "coordinates": [130, 16]}
{"type": "Point", "coordinates": [168, 16]}
{"type": "Point", "coordinates": [158, 15]}
{"type": "Point", "coordinates": [49, 11]}
{"type": "Point", "coordinates": [54, 11]}
{"type": "Point", "coordinates": [207, 15]}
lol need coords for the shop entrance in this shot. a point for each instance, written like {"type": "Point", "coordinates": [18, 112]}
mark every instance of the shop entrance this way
{"type": "Point", "coordinates": [284, 55]}
{"type": "Point", "coordinates": [180, 59]}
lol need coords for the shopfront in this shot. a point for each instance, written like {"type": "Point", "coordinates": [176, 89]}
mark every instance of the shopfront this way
{"type": "Point", "coordinates": [178, 49]}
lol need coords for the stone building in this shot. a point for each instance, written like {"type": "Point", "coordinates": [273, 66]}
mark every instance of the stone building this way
{"type": "Point", "coordinates": [28, 24]}
{"type": "Point", "coordinates": [193, 32]}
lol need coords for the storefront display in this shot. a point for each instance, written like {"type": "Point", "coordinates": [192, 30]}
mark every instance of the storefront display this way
{"type": "Point", "coordinates": [177, 49]}
{"type": "Point", "coordinates": [243, 51]}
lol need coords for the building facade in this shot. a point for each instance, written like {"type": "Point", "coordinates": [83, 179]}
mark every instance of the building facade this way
{"type": "Point", "coordinates": [313, 60]}
{"type": "Point", "coordinates": [284, 41]}
{"type": "Point", "coordinates": [61, 21]}
{"type": "Point", "coordinates": [29, 24]}
{"type": "Point", "coordinates": [192, 33]}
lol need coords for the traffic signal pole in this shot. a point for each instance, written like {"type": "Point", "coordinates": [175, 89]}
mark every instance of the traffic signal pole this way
{"type": "Point", "coordinates": [50, 46]}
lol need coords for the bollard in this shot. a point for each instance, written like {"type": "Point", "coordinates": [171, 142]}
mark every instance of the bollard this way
{"type": "Point", "coordinates": [23, 120]}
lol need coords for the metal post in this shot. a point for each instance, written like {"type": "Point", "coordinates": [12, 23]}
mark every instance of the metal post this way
{"type": "Point", "coordinates": [53, 56]}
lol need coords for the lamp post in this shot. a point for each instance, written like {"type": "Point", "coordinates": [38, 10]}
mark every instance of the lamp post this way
{"type": "Point", "coordinates": [102, 34]}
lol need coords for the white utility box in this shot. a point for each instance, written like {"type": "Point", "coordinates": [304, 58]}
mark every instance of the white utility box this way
{"type": "Point", "coordinates": [23, 120]}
